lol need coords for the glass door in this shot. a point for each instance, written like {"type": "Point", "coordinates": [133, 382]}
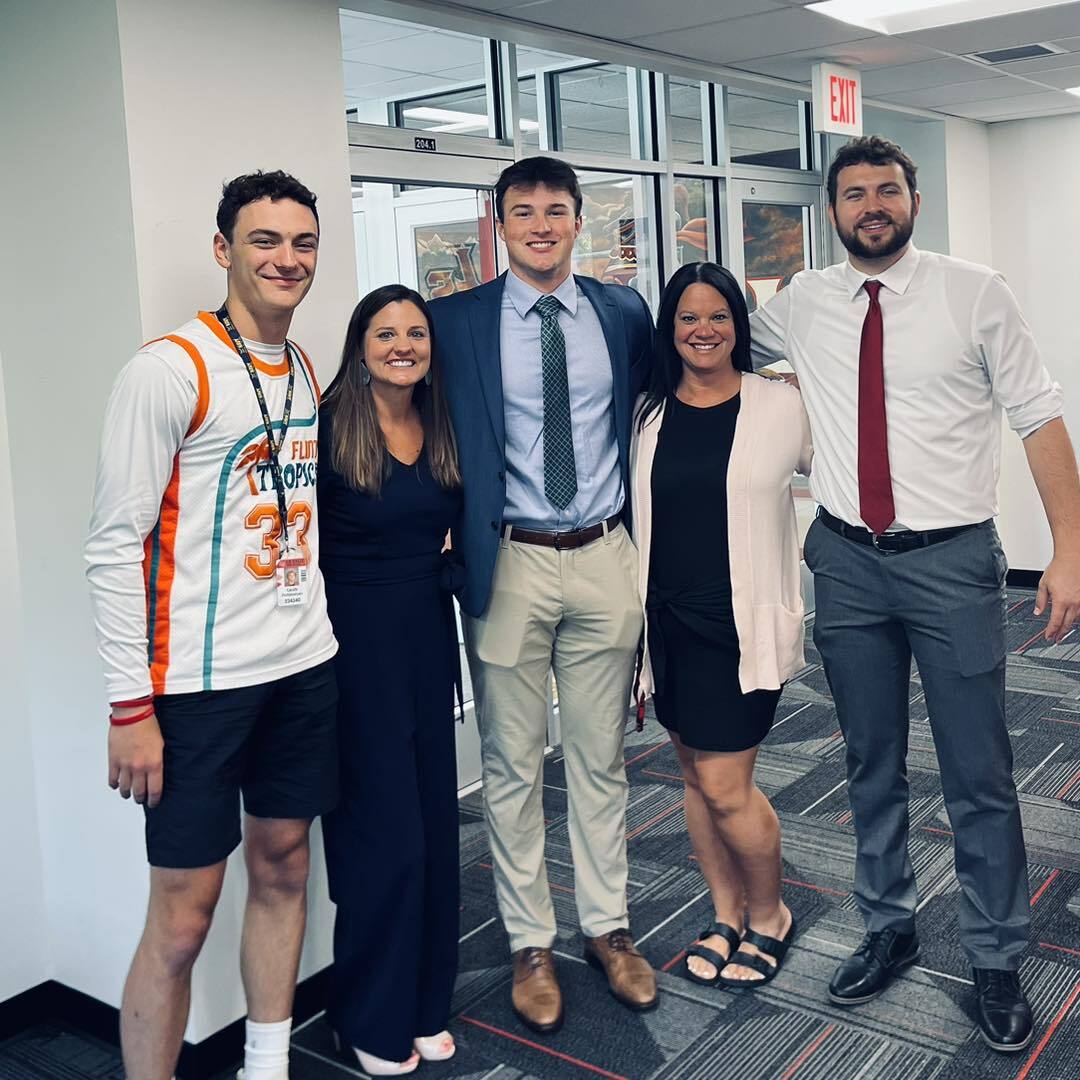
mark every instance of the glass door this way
{"type": "Point", "coordinates": [780, 225]}
{"type": "Point", "coordinates": [435, 239]}
{"type": "Point", "coordinates": [428, 221]}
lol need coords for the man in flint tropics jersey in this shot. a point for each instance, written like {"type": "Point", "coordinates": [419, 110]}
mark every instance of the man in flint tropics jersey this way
{"type": "Point", "coordinates": [211, 623]}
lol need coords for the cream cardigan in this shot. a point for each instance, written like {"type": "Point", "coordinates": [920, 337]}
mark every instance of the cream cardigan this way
{"type": "Point", "coordinates": [772, 440]}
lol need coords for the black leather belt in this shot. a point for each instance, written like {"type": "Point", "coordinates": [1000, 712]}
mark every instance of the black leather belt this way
{"type": "Point", "coordinates": [891, 542]}
{"type": "Point", "coordinates": [563, 541]}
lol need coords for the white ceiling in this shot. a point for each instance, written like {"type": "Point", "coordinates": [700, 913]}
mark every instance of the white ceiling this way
{"type": "Point", "coordinates": [927, 69]}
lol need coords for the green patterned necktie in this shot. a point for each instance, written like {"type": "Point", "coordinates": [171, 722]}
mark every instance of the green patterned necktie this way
{"type": "Point", "coordinates": [560, 472]}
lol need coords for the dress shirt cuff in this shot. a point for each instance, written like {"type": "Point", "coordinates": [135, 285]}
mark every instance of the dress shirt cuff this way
{"type": "Point", "coordinates": [1047, 405]}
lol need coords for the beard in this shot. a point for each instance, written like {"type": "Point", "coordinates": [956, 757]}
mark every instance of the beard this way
{"type": "Point", "coordinates": [901, 234]}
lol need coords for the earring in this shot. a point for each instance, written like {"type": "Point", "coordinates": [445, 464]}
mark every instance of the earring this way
{"type": "Point", "coordinates": [427, 377]}
{"type": "Point", "coordinates": [365, 373]}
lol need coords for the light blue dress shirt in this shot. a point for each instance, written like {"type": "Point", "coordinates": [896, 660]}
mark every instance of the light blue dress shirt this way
{"type": "Point", "coordinates": [588, 368]}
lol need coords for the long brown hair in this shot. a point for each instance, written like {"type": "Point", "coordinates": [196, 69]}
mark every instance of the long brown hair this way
{"type": "Point", "coordinates": [358, 448]}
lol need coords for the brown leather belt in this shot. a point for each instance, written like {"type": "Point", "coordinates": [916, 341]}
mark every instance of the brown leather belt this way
{"type": "Point", "coordinates": [563, 541]}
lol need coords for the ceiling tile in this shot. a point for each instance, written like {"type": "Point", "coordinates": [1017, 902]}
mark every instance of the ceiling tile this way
{"type": "Point", "coordinates": [474, 73]}
{"type": "Point", "coordinates": [429, 51]}
{"type": "Point", "coordinates": [359, 30]}
{"type": "Point", "coordinates": [1042, 63]}
{"type": "Point", "coordinates": [734, 40]}
{"type": "Point", "coordinates": [864, 53]}
{"type": "Point", "coordinates": [358, 76]}
{"type": "Point", "coordinates": [631, 19]}
{"type": "Point", "coordinates": [529, 60]}
{"type": "Point", "coordinates": [929, 73]}
{"type": "Point", "coordinates": [1020, 29]}
{"type": "Point", "coordinates": [503, 6]}
{"type": "Point", "coordinates": [985, 90]}
{"type": "Point", "coordinates": [1063, 78]}
{"type": "Point", "coordinates": [1031, 105]}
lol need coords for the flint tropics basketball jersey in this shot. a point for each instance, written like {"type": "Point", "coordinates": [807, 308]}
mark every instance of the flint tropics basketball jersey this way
{"type": "Point", "coordinates": [186, 531]}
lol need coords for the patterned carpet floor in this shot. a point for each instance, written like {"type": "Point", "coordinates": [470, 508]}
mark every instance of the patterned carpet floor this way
{"type": "Point", "coordinates": [921, 1028]}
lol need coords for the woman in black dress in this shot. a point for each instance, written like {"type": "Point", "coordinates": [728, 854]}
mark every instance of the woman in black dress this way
{"type": "Point", "coordinates": [714, 450]}
{"type": "Point", "coordinates": [389, 490]}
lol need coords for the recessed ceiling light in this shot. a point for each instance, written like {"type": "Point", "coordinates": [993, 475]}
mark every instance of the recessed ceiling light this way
{"type": "Point", "coordinates": [453, 120]}
{"type": "Point", "coordinates": [1073, 90]}
{"type": "Point", "coordinates": [906, 16]}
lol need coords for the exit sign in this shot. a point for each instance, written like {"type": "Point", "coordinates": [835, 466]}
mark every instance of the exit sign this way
{"type": "Point", "coordinates": [837, 102]}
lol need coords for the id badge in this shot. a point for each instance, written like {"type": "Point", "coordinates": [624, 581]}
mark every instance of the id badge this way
{"type": "Point", "coordinates": [292, 580]}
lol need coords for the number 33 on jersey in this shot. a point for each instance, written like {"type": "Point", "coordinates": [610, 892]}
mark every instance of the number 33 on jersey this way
{"type": "Point", "coordinates": [207, 503]}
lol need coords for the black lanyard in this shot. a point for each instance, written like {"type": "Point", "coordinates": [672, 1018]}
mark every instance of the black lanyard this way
{"type": "Point", "coordinates": [222, 316]}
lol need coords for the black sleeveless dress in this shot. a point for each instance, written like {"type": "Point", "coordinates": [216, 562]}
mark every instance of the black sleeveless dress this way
{"type": "Point", "coordinates": [693, 643]}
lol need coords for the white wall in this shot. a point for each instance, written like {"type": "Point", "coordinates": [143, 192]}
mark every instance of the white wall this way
{"type": "Point", "coordinates": [23, 926]}
{"type": "Point", "coordinates": [1035, 227]}
{"type": "Point", "coordinates": [131, 114]}
{"type": "Point", "coordinates": [967, 178]}
{"type": "Point", "coordinates": [67, 310]}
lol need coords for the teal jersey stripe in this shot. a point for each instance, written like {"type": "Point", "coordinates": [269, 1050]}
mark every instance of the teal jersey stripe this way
{"type": "Point", "coordinates": [219, 513]}
{"type": "Point", "coordinates": [151, 614]}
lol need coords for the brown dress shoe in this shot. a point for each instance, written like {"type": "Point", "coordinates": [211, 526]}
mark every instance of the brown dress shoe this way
{"type": "Point", "coordinates": [631, 979]}
{"type": "Point", "coordinates": [536, 996]}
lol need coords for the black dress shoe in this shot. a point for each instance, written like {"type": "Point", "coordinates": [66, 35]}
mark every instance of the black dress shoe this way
{"type": "Point", "coordinates": [882, 955]}
{"type": "Point", "coordinates": [1002, 1009]}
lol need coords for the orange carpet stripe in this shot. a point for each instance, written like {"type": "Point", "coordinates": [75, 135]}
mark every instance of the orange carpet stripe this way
{"type": "Point", "coordinates": [1054, 1024]}
{"type": "Point", "coordinates": [544, 1049]}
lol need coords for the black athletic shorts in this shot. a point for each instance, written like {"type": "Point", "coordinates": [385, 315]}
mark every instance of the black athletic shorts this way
{"type": "Point", "coordinates": [275, 742]}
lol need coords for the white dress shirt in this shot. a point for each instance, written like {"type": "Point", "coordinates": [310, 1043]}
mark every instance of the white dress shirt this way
{"type": "Point", "coordinates": [956, 352]}
{"type": "Point", "coordinates": [592, 409]}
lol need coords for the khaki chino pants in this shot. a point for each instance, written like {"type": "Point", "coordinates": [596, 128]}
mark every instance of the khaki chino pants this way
{"type": "Point", "coordinates": [576, 613]}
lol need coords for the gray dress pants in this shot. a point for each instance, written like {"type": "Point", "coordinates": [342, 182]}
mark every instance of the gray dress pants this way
{"type": "Point", "coordinates": [944, 604]}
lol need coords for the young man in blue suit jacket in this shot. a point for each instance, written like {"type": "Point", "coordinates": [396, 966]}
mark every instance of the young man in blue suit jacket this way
{"type": "Point", "coordinates": [542, 371]}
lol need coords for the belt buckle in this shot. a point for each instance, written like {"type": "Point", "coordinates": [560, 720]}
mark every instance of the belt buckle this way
{"type": "Point", "coordinates": [556, 541]}
{"type": "Point", "coordinates": [874, 539]}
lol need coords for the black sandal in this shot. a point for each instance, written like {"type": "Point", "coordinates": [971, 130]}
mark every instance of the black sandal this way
{"type": "Point", "coordinates": [771, 946]}
{"type": "Point", "coordinates": [718, 929]}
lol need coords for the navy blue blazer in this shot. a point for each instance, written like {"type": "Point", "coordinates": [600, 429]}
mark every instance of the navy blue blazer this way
{"type": "Point", "coordinates": [467, 338]}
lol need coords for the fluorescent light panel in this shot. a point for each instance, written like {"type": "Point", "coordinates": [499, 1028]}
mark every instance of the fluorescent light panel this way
{"type": "Point", "coordinates": [907, 16]}
{"type": "Point", "coordinates": [455, 121]}
{"type": "Point", "coordinates": [1073, 90]}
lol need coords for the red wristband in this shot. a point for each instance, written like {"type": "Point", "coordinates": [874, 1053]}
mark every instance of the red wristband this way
{"type": "Point", "coordinates": [147, 699]}
{"type": "Point", "coordinates": [125, 720]}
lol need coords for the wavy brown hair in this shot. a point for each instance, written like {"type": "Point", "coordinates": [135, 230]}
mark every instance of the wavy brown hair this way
{"type": "Point", "coordinates": [358, 447]}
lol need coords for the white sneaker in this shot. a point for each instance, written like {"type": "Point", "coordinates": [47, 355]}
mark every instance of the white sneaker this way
{"type": "Point", "coordinates": [435, 1047]}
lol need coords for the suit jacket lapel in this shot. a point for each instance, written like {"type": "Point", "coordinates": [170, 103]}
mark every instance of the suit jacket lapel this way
{"type": "Point", "coordinates": [485, 318]}
{"type": "Point", "coordinates": [611, 322]}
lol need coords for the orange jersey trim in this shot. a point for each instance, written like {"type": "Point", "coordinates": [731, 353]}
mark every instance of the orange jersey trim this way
{"type": "Point", "coordinates": [311, 371]}
{"type": "Point", "coordinates": [212, 324]}
{"type": "Point", "coordinates": [202, 406]}
{"type": "Point", "coordinates": [163, 582]}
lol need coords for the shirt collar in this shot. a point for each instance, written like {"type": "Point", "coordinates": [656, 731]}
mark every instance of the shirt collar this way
{"type": "Point", "coordinates": [896, 279]}
{"type": "Point", "coordinates": [524, 296]}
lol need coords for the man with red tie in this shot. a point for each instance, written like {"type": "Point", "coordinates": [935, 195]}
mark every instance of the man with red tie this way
{"type": "Point", "coordinates": [906, 359]}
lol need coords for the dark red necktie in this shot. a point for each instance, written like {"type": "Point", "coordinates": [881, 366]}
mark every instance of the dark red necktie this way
{"type": "Point", "coordinates": [875, 481]}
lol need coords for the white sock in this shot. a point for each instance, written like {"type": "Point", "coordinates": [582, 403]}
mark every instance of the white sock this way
{"type": "Point", "coordinates": [266, 1050]}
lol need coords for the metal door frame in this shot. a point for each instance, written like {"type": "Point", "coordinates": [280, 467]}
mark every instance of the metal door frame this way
{"type": "Point", "coordinates": [809, 196]}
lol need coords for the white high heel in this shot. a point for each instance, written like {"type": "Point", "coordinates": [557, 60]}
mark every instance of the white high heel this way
{"type": "Point", "coordinates": [435, 1047]}
{"type": "Point", "coordinates": [377, 1066]}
